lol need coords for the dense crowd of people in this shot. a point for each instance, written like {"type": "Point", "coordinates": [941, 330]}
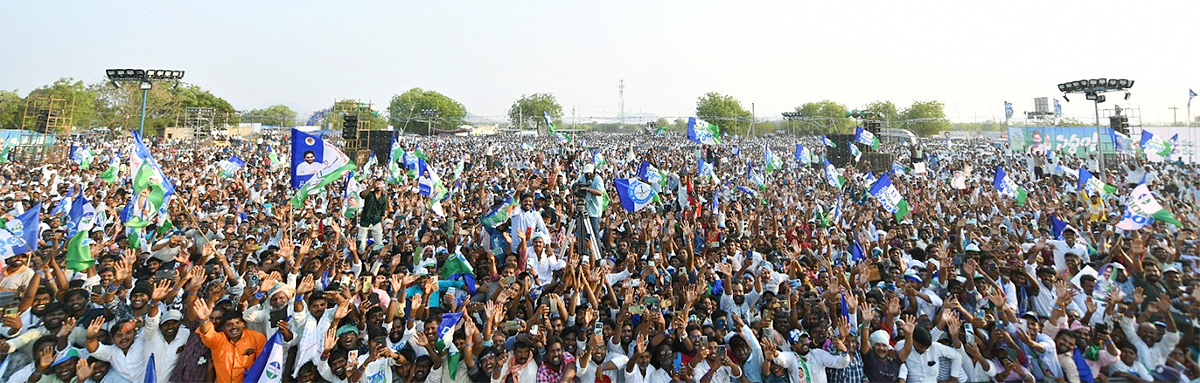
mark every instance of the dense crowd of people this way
{"type": "Point", "coordinates": [530, 269]}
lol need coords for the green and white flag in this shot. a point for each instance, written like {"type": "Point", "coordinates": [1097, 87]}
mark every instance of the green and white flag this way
{"type": "Point", "coordinates": [835, 178]}
{"type": "Point", "coordinates": [772, 161]}
{"type": "Point", "coordinates": [889, 197]}
{"type": "Point", "coordinates": [1006, 186]}
{"type": "Point", "coordinates": [1143, 210]}
{"type": "Point", "coordinates": [702, 132]}
{"type": "Point", "coordinates": [855, 152]}
{"type": "Point", "coordinates": [867, 138]}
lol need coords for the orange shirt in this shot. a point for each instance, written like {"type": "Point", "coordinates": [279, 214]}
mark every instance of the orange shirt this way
{"type": "Point", "coordinates": [229, 358]}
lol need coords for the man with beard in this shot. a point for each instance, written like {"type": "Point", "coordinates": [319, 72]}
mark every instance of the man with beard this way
{"type": "Point", "coordinates": [879, 360]}
{"type": "Point", "coordinates": [234, 348]}
{"type": "Point", "coordinates": [31, 310]}
{"type": "Point", "coordinates": [16, 274]}
{"type": "Point", "coordinates": [128, 353]}
{"type": "Point", "coordinates": [596, 364]}
{"type": "Point", "coordinates": [1153, 345]}
{"type": "Point", "coordinates": [521, 366]}
{"type": "Point", "coordinates": [259, 313]}
{"type": "Point", "coordinates": [165, 338]}
{"type": "Point", "coordinates": [923, 357]}
{"type": "Point", "coordinates": [713, 366]}
{"type": "Point", "coordinates": [312, 333]}
{"type": "Point", "coordinates": [559, 365]}
{"type": "Point", "coordinates": [52, 324]}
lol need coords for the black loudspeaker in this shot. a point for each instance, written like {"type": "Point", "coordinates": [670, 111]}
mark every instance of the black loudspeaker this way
{"type": "Point", "coordinates": [840, 156]}
{"type": "Point", "coordinates": [876, 162]}
{"type": "Point", "coordinates": [380, 143]}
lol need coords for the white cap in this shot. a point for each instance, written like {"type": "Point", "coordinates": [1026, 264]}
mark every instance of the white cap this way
{"type": "Point", "coordinates": [589, 168]}
{"type": "Point", "coordinates": [172, 315]}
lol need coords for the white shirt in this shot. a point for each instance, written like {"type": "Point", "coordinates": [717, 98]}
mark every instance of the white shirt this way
{"type": "Point", "coordinates": [165, 353]}
{"type": "Point", "coordinates": [1149, 355]}
{"type": "Point", "coordinates": [724, 374]}
{"type": "Point", "coordinates": [131, 365]}
{"type": "Point", "coordinates": [521, 220]}
{"type": "Point", "coordinates": [924, 367]}
{"type": "Point", "coordinates": [587, 374]}
{"type": "Point", "coordinates": [527, 374]}
{"type": "Point", "coordinates": [545, 266]}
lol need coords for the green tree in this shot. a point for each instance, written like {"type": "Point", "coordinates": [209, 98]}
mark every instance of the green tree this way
{"type": "Point", "coordinates": [925, 118]}
{"type": "Point", "coordinates": [823, 117]}
{"type": "Point", "coordinates": [278, 115]}
{"type": "Point", "coordinates": [84, 99]}
{"type": "Point", "coordinates": [404, 111]}
{"type": "Point", "coordinates": [725, 111]}
{"type": "Point", "coordinates": [11, 106]}
{"type": "Point", "coordinates": [368, 119]}
{"type": "Point", "coordinates": [886, 109]}
{"type": "Point", "coordinates": [531, 108]}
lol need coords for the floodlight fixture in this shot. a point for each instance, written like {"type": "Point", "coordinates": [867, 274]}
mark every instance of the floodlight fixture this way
{"type": "Point", "coordinates": [145, 85]}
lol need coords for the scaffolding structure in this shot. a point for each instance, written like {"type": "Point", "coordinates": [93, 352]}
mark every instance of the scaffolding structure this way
{"type": "Point", "coordinates": [45, 122]}
{"type": "Point", "coordinates": [200, 121]}
{"type": "Point", "coordinates": [358, 147]}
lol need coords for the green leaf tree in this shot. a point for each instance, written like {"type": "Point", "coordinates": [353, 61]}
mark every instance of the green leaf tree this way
{"type": "Point", "coordinates": [725, 111]}
{"type": "Point", "coordinates": [886, 109]}
{"type": "Point", "coordinates": [370, 117]}
{"type": "Point", "coordinates": [925, 118]}
{"type": "Point", "coordinates": [86, 113]}
{"type": "Point", "coordinates": [11, 105]}
{"type": "Point", "coordinates": [531, 107]}
{"type": "Point", "coordinates": [278, 115]}
{"type": "Point", "coordinates": [823, 117]}
{"type": "Point", "coordinates": [404, 111]}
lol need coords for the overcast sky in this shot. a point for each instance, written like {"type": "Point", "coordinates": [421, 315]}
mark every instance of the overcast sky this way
{"type": "Point", "coordinates": [777, 54]}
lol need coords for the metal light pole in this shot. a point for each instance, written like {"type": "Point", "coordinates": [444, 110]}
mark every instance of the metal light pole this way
{"type": "Point", "coordinates": [1094, 90]}
{"type": "Point", "coordinates": [145, 86]}
{"type": "Point", "coordinates": [1099, 149]}
{"type": "Point", "coordinates": [143, 77]}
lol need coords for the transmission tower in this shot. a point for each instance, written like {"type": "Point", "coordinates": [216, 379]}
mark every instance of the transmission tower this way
{"type": "Point", "coordinates": [621, 92]}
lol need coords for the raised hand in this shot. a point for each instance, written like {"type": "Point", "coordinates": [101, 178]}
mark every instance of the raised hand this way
{"type": "Point", "coordinates": [83, 370]}
{"type": "Point", "coordinates": [893, 307]}
{"type": "Point", "coordinates": [67, 326]}
{"type": "Point", "coordinates": [161, 289]}
{"type": "Point", "coordinates": [910, 322]}
{"type": "Point", "coordinates": [330, 338]}
{"type": "Point", "coordinates": [307, 284]}
{"type": "Point", "coordinates": [45, 358]}
{"type": "Point", "coordinates": [93, 328]}
{"type": "Point", "coordinates": [199, 307]}
{"type": "Point", "coordinates": [1139, 296]}
{"type": "Point", "coordinates": [866, 312]}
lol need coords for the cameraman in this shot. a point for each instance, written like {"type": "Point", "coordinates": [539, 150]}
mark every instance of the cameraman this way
{"type": "Point", "coordinates": [594, 186]}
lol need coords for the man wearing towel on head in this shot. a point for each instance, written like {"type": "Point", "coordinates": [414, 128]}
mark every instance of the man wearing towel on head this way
{"type": "Point", "coordinates": [879, 359]}
{"type": "Point", "coordinates": [271, 315]}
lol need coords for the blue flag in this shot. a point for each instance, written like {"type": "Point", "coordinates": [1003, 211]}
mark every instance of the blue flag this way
{"type": "Point", "coordinates": [81, 217]}
{"type": "Point", "coordinates": [1057, 108]}
{"type": "Point", "coordinates": [845, 311]}
{"type": "Point", "coordinates": [64, 204]}
{"type": "Point", "coordinates": [1008, 110]}
{"type": "Point", "coordinates": [856, 253]}
{"type": "Point", "coordinates": [268, 366]}
{"type": "Point", "coordinates": [445, 329]}
{"type": "Point", "coordinates": [20, 234]}
{"type": "Point", "coordinates": [150, 378]}
{"type": "Point", "coordinates": [1056, 227]}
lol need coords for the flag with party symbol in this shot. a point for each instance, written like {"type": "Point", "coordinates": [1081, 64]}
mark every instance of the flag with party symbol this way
{"type": "Point", "coordinates": [889, 197]}
{"type": "Point", "coordinates": [1143, 210]}
{"type": "Point", "coordinates": [1006, 186]}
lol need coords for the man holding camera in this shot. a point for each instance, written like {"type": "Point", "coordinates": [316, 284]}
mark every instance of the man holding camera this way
{"type": "Point", "coordinates": [594, 186]}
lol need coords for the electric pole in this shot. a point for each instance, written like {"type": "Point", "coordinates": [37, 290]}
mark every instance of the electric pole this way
{"type": "Point", "coordinates": [1174, 115]}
